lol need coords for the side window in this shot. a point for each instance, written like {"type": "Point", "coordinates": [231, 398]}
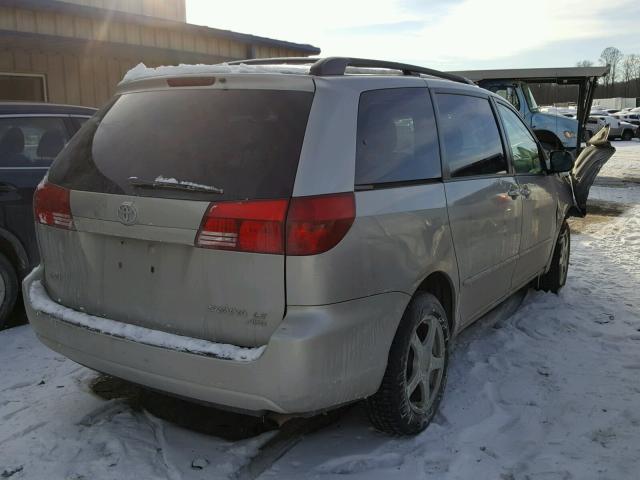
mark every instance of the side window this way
{"type": "Point", "coordinates": [397, 138]}
{"type": "Point", "coordinates": [510, 95]}
{"type": "Point", "coordinates": [31, 141]}
{"type": "Point", "coordinates": [470, 136]}
{"type": "Point", "coordinates": [524, 149]}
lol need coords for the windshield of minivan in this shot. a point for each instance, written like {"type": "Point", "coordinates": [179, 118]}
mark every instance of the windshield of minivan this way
{"type": "Point", "coordinates": [245, 143]}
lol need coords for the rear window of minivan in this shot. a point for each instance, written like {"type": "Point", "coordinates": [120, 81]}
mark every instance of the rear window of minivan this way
{"type": "Point", "coordinates": [245, 143]}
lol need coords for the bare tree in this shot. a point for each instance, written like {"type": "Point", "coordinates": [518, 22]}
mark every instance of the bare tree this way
{"type": "Point", "coordinates": [626, 72]}
{"type": "Point", "coordinates": [584, 63]}
{"type": "Point", "coordinates": [634, 66]}
{"type": "Point", "coordinates": [611, 56]}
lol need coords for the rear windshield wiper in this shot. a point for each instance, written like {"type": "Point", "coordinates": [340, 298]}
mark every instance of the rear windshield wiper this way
{"type": "Point", "coordinates": [162, 182]}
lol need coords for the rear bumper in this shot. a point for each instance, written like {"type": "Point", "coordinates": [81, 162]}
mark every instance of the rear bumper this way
{"type": "Point", "coordinates": [319, 357]}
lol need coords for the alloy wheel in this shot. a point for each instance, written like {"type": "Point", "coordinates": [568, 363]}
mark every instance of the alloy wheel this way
{"type": "Point", "coordinates": [425, 364]}
{"type": "Point", "coordinates": [564, 256]}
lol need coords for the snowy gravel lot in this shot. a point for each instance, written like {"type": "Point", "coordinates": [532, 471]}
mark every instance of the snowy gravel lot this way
{"type": "Point", "coordinates": [550, 392]}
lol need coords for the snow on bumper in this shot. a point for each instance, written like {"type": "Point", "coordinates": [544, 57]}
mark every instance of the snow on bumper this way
{"type": "Point", "coordinates": [41, 302]}
{"type": "Point", "coordinates": [320, 356]}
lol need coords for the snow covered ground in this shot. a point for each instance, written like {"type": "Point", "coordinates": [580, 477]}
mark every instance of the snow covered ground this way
{"type": "Point", "coordinates": [551, 392]}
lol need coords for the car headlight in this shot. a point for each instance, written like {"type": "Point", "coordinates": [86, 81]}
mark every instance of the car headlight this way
{"type": "Point", "coordinates": [569, 134]}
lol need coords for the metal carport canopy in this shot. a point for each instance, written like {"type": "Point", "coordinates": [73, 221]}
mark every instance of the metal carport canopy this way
{"type": "Point", "coordinates": [536, 75]}
{"type": "Point", "coordinates": [585, 77]}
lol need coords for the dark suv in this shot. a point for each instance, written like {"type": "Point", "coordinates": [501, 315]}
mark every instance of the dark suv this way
{"type": "Point", "coordinates": [31, 135]}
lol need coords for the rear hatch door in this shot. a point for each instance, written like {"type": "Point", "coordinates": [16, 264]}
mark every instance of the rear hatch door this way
{"type": "Point", "coordinates": [143, 174]}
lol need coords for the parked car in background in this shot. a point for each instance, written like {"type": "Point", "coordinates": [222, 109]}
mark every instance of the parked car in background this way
{"type": "Point", "coordinates": [629, 117]}
{"type": "Point", "coordinates": [617, 128]}
{"type": "Point", "coordinates": [275, 241]}
{"type": "Point", "coordinates": [31, 135]}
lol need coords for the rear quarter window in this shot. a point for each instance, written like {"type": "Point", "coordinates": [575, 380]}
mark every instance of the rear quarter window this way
{"type": "Point", "coordinates": [397, 138]}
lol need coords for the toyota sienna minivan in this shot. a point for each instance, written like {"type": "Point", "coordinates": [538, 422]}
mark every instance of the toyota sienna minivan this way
{"type": "Point", "coordinates": [291, 238]}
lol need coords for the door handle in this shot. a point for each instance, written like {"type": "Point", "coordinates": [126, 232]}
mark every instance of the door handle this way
{"type": "Point", "coordinates": [513, 192]}
{"type": "Point", "coordinates": [524, 190]}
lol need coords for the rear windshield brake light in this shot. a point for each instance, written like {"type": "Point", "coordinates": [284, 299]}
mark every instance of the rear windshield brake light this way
{"type": "Point", "coordinates": [191, 81]}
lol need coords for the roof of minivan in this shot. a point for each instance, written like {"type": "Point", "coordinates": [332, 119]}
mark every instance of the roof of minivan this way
{"type": "Point", "coordinates": [32, 108]}
{"type": "Point", "coordinates": [331, 67]}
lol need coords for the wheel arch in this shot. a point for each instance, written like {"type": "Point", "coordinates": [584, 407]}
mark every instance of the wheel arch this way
{"type": "Point", "coordinates": [440, 285]}
{"type": "Point", "coordinates": [15, 252]}
{"type": "Point", "coordinates": [630, 130]}
{"type": "Point", "coordinates": [548, 137]}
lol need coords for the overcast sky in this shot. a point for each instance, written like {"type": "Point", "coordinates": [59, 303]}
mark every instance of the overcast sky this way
{"type": "Point", "coordinates": [445, 34]}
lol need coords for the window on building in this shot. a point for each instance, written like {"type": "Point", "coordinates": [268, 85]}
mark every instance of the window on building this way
{"type": "Point", "coordinates": [470, 135]}
{"type": "Point", "coordinates": [27, 88]}
{"type": "Point", "coordinates": [31, 141]}
{"type": "Point", "coordinates": [397, 137]}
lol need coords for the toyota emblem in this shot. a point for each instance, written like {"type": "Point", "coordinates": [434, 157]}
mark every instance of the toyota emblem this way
{"type": "Point", "coordinates": [127, 213]}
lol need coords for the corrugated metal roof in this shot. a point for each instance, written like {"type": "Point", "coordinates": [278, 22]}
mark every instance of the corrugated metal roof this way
{"type": "Point", "coordinates": [102, 14]}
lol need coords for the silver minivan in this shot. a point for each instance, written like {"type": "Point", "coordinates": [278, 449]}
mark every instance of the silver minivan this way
{"type": "Point", "coordinates": [291, 238]}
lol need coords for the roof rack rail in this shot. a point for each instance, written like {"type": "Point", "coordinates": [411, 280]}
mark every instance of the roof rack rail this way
{"type": "Point", "coordinates": [331, 66]}
{"type": "Point", "coordinates": [276, 61]}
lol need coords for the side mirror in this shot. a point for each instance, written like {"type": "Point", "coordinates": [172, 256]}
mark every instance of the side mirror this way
{"type": "Point", "coordinates": [560, 161]}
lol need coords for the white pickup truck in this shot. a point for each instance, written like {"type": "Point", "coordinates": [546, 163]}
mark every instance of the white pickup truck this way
{"type": "Point", "coordinates": [617, 128]}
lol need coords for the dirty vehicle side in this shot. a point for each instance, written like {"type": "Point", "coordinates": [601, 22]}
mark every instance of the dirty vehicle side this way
{"type": "Point", "coordinates": [269, 239]}
{"type": "Point", "coordinates": [31, 135]}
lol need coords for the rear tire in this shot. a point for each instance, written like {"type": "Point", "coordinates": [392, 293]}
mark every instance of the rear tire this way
{"type": "Point", "coordinates": [627, 135]}
{"type": "Point", "coordinates": [8, 289]}
{"type": "Point", "coordinates": [416, 375]}
{"type": "Point", "coordinates": [556, 277]}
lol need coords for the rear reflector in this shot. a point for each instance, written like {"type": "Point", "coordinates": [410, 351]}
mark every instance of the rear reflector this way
{"type": "Point", "coordinates": [248, 226]}
{"type": "Point", "coordinates": [52, 206]}
{"type": "Point", "coordinates": [316, 224]}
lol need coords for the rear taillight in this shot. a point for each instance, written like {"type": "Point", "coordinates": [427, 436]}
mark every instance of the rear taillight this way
{"type": "Point", "coordinates": [52, 207]}
{"type": "Point", "coordinates": [316, 224]}
{"type": "Point", "coordinates": [313, 225]}
{"type": "Point", "coordinates": [249, 226]}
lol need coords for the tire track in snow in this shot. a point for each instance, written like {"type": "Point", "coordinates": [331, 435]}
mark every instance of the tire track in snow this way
{"type": "Point", "coordinates": [158, 431]}
{"type": "Point", "coordinates": [24, 432]}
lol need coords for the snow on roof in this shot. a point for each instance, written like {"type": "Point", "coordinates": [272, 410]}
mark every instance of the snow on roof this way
{"type": "Point", "coordinates": [141, 71]}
